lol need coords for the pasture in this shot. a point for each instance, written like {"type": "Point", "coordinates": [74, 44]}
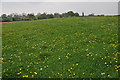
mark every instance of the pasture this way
{"type": "Point", "coordinates": [77, 47]}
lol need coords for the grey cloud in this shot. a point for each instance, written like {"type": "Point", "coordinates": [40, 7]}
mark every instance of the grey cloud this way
{"type": "Point", "coordinates": [60, 7]}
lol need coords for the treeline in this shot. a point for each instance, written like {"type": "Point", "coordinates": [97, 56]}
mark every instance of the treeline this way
{"type": "Point", "coordinates": [31, 16]}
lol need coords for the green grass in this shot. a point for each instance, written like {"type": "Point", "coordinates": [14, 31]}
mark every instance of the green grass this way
{"type": "Point", "coordinates": [78, 47]}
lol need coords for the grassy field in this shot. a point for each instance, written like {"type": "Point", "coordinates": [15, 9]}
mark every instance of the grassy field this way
{"type": "Point", "coordinates": [78, 47]}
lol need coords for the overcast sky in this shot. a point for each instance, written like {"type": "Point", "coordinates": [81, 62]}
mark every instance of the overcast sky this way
{"type": "Point", "coordinates": [108, 7]}
{"type": "Point", "coordinates": [60, 0]}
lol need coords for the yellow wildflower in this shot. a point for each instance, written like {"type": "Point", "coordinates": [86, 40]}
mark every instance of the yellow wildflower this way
{"type": "Point", "coordinates": [93, 41]}
{"type": "Point", "coordinates": [68, 69]}
{"type": "Point", "coordinates": [108, 75]}
{"type": "Point", "coordinates": [74, 74]}
{"type": "Point", "coordinates": [113, 45]}
{"type": "Point", "coordinates": [102, 58]}
{"type": "Point", "coordinates": [35, 72]}
{"type": "Point", "coordinates": [117, 70]}
{"type": "Point", "coordinates": [25, 75]}
{"type": "Point", "coordinates": [20, 68]}
{"type": "Point", "coordinates": [44, 66]}
{"type": "Point", "coordinates": [102, 73]}
{"type": "Point", "coordinates": [19, 73]}
{"type": "Point", "coordinates": [77, 64]}
{"type": "Point", "coordinates": [87, 55]}
{"type": "Point", "coordinates": [105, 63]}
{"type": "Point", "coordinates": [114, 58]}
{"type": "Point", "coordinates": [61, 74]}
{"type": "Point", "coordinates": [32, 75]}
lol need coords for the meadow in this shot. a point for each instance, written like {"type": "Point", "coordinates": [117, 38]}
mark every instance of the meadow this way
{"type": "Point", "coordinates": [76, 47]}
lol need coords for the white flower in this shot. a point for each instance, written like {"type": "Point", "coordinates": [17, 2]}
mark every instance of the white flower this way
{"type": "Point", "coordinates": [40, 68]}
{"type": "Point", "coordinates": [28, 66]}
{"type": "Point", "coordinates": [86, 49]}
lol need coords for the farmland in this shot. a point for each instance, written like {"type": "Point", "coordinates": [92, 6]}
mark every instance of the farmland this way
{"type": "Point", "coordinates": [77, 47]}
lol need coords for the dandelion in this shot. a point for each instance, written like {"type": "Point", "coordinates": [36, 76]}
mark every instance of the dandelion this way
{"type": "Point", "coordinates": [117, 70]}
{"type": "Point", "coordinates": [60, 74]}
{"type": "Point", "coordinates": [19, 73]}
{"type": "Point", "coordinates": [25, 75]}
{"type": "Point", "coordinates": [114, 58]}
{"type": "Point", "coordinates": [105, 63]}
{"type": "Point", "coordinates": [113, 45]}
{"type": "Point", "coordinates": [93, 41]}
{"type": "Point", "coordinates": [77, 64]}
{"type": "Point", "coordinates": [29, 54]}
{"type": "Point", "coordinates": [102, 58]}
{"type": "Point", "coordinates": [108, 75]}
{"type": "Point", "coordinates": [44, 66]}
{"type": "Point", "coordinates": [68, 69]}
{"type": "Point", "coordinates": [87, 55]}
{"type": "Point", "coordinates": [35, 72]}
{"type": "Point", "coordinates": [102, 73]}
{"type": "Point", "coordinates": [32, 75]}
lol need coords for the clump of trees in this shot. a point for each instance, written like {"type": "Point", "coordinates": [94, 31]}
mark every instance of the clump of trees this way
{"type": "Point", "coordinates": [32, 16]}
